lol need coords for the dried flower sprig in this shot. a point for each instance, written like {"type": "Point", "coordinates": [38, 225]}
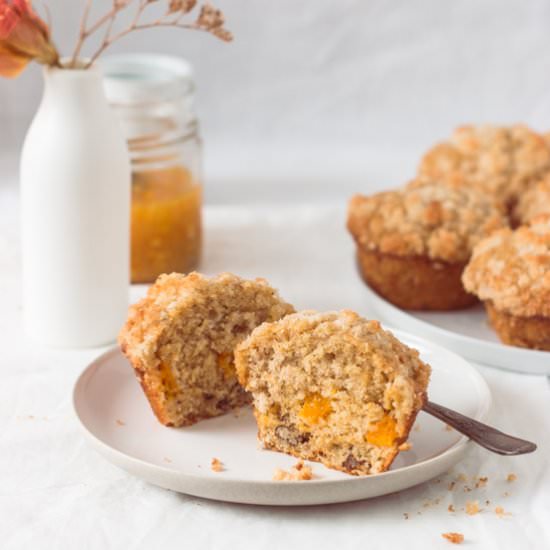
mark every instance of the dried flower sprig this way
{"type": "Point", "coordinates": [209, 19]}
{"type": "Point", "coordinates": [24, 37]}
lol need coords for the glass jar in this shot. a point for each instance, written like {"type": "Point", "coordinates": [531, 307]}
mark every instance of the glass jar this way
{"type": "Point", "coordinates": [153, 96]}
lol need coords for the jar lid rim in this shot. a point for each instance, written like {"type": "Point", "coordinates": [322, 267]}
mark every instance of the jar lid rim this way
{"type": "Point", "coordinates": [141, 78]}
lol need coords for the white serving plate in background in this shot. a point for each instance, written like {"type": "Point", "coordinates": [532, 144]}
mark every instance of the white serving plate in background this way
{"type": "Point", "coordinates": [466, 332]}
{"type": "Point", "coordinates": [118, 421]}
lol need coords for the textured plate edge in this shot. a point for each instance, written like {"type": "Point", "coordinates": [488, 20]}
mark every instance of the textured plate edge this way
{"type": "Point", "coordinates": [281, 493]}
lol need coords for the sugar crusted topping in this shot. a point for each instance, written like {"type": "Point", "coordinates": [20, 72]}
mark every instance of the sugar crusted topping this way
{"type": "Point", "coordinates": [441, 221]}
{"type": "Point", "coordinates": [512, 269]}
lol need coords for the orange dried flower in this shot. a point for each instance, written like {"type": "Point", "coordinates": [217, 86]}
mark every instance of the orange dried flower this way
{"type": "Point", "coordinates": [23, 37]}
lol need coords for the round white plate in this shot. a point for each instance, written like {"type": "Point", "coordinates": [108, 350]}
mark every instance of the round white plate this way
{"type": "Point", "coordinates": [466, 332]}
{"type": "Point", "coordinates": [115, 415]}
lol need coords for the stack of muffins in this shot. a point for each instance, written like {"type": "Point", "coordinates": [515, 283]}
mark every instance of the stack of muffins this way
{"type": "Point", "coordinates": [473, 225]}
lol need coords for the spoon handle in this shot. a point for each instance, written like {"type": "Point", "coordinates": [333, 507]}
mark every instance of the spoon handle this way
{"type": "Point", "coordinates": [483, 435]}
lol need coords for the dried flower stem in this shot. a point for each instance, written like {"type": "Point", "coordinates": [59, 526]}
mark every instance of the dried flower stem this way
{"type": "Point", "coordinates": [83, 33]}
{"type": "Point", "coordinates": [209, 20]}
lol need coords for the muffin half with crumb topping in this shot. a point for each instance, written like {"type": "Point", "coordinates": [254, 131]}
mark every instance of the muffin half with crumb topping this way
{"type": "Point", "coordinates": [181, 337]}
{"type": "Point", "coordinates": [413, 243]}
{"type": "Point", "coordinates": [334, 388]}
{"type": "Point", "coordinates": [510, 272]}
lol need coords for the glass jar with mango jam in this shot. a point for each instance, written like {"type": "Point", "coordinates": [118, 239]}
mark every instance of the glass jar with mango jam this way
{"type": "Point", "coordinates": [153, 96]}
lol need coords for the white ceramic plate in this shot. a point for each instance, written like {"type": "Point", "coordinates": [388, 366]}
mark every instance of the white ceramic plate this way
{"type": "Point", "coordinates": [466, 332]}
{"type": "Point", "coordinates": [115, 415]}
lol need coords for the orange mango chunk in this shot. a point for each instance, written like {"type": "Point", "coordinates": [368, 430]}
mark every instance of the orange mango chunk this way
{"type": "Point", "coordinates": [225, 363]}
{"type": "Point", "coordinates": [383, 433]}
{"type": "Point", "coordinates": [167, 378]}
{"type": "Point", "coordinates": [315, 408]}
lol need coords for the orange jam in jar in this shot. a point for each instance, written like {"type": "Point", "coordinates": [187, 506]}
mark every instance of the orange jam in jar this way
{"type": "Point", "coordinates": [153, 95]}
{"type": "Point", "coordinates": [165, 223]}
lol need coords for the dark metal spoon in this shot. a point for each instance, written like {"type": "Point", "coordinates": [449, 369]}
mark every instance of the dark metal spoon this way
{"type": "Point", "coordinates": [483, 435]}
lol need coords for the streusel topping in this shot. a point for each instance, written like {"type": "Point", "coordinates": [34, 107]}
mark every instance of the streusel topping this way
{"type": "Point", "coordinates": [497, 160]}
{"type": "Point", "coordinates": [533, 202]}
{"type": "Point", "coordinates": [512, 269]}
{"type": "Point", "coordinates": [443, 222]}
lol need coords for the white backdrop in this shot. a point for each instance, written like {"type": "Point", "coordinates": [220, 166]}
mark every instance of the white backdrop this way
{"type": "Point", "coordinates": [330, 96]}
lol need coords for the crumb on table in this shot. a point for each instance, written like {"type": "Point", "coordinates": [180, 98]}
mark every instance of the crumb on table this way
{"type": "Point", "coordinates": [481, 482]}
{"type": "Point", "coordinates": [298, 472]}
{"type": "Point", "coordinates": [511, 477]}
{"type": "Point", "coordinates": [120, 422]}
{"type": "Point", "coordinates": [216, 465]}
{"type": "Point", "coordinates": [500, 512]}
{"type": "Point", "coordinates": [472, 508]}
{"type": "Point", "coordinates": [455, 538]}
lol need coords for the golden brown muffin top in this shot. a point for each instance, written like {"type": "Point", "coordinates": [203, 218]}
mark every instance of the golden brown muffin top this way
{"type": "Point", "coordinates": [497, 160]}
{"type": "Point", "coordinates": [512, 269]}
{"type": "Point", "coordinates": [175, 294]}
{"type": "Point", "coordinates": [442, 222]}
{"type": "Point", "coordinates": [535, 200]}
{"type": "Point", "coordinates": [342, 333]}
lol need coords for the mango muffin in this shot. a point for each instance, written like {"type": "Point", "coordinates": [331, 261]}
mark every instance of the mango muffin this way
{"type": "Point", "coordinates": [533, 202]}
{"type": "Point", "coordinates": [333, 388]}
{"type": "Point", "coordinates": [500, 161]}
{"type": "Point", "coordinates": [180, 340]}
{"type": "Point", "coordinates": [510, 272]}
{"type": "Point", "coordinates": [413, 243]}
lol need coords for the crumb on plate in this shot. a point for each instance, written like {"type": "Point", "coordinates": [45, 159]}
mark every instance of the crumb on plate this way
{"type": "Point", "coordinates": [472, 508]}
{"type": "Point", "coordinates": [511, 477]}
{"type": "Point", "coordinates": [298, 472]}
{"type": "Point", "coordinates": [216, 465]}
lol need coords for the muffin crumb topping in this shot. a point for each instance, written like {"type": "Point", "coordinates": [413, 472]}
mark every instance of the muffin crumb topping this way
{"type": "Point", "coordinates": [442, 222]}
{"type": "Point", "coordinates": [511, 269]}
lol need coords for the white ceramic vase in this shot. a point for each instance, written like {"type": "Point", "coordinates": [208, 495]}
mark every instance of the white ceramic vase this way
{"type": "Point", "coordinates": [75, 209]}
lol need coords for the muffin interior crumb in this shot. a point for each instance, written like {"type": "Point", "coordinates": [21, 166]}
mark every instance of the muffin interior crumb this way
{"type": "Point", "coordinates": [332, 388]}
{"type": "Point", "coordinates": [180, 341]}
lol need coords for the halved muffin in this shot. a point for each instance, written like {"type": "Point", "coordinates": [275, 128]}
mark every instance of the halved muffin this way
{"type": "Point", "coordinates": [499, 161]}
{"type": "Point", "coordinates": [413, 243]}
{"type": "Point", "coordinates": [180, 340]}
{"type": "Point", "coordinates": [510, 272]}
{"type": "Point", "coordinates": [334, 388]}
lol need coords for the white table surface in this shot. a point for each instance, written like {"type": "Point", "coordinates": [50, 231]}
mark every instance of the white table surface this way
{"type": "Point", "coordinates": [57, 493]}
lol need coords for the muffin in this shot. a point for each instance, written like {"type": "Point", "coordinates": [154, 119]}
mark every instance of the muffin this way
{"type": "Point", "coordinates": [510, 272]}
{"type": "Point", "coordinates": [533, 202]}
{"type": "Point", "coordinates": [333, 388]}
{"type": "Point", "coordinates": [499, 161]}
{"type": "Point", "coordinates": [180, 340]}
{"type": "Point", "coordinates": [413, 243]}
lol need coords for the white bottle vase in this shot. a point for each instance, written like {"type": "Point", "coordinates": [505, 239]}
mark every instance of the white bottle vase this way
{"type": "Point", "coordinates": [75, 210]}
